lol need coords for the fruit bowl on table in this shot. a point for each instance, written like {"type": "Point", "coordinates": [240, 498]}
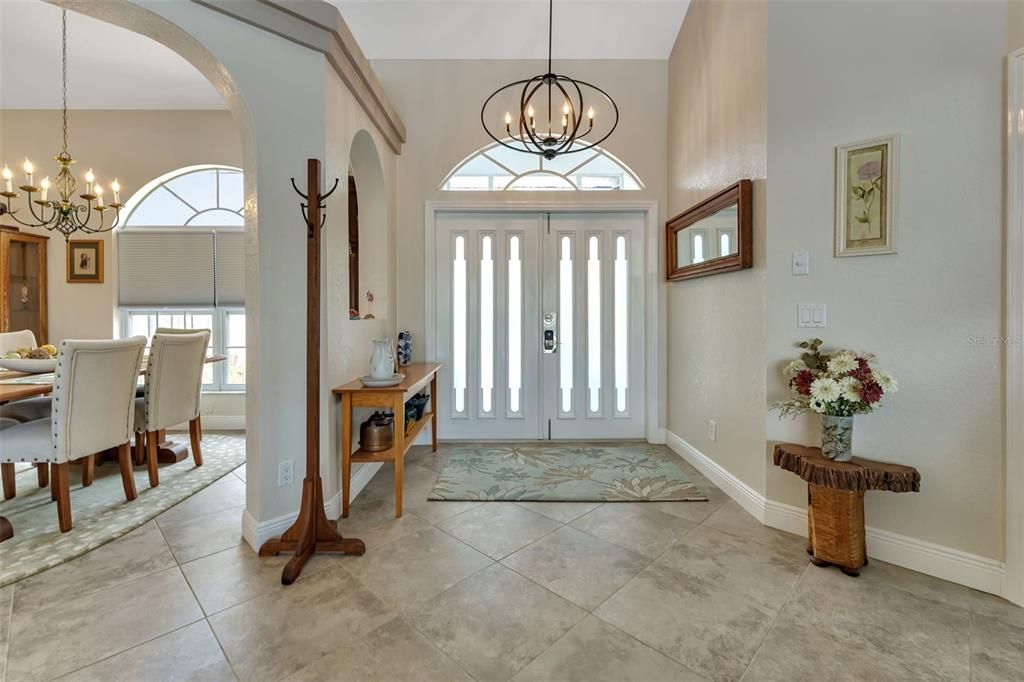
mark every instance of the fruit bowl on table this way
{"type": "Point", "coordinates": [29, 366]}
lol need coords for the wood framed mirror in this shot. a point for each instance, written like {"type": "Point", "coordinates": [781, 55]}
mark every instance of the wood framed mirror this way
{"type": "Point", "coordinates": [715, 236]}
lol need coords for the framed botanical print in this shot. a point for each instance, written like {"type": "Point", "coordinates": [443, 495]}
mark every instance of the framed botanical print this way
{"type": "Point", "coordinates": [85, 261]}
{"type": "Point", "coordinates": [867, 182]}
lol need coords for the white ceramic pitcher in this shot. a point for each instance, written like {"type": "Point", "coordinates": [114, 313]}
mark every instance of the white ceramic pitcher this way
{"type": "Point", "coordinates": [382, 361]}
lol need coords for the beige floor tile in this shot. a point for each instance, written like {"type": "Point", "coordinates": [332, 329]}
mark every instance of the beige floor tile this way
{"type": "Point", "coordinates": [191, 653]}
{"type": "Point", "coordinates": [930, 635]}
{"type": "Point", "coordinates": [764, 573]}
{"type": "Point", "coordinates": [496, 622]}
{"type": "Point", "coordinates": [394, 651]}
{"type": "Point", "coordinates": [418, 481]}
{"type": "Point", "coordinates": [997, 649]}
{"type": "Point", "coordinates": [375, 524]}
{"type": "Point", "coordinates": [422, 456]}
{"type": "Point", "coordinates": [733, 519]}
{"type": "Point", "coordinates": [93, 627]}
{"type": "Point", "coordinates": [921, 585]}
{"type": "Point", "coordinates": [563, 512]}
{"type": "Point", "coordinates": [279, 634]}
{"type": "Point", "coordinates": [498, 528]}
{"type": "Point", "coordinates": [194, 538]}
{"type": "Point", "coordinates": [795, 652]}
{"type": "Point", "coordinates": [6, 602]}
{"type": "Point", "coordinates": [996, 607]}
{"type": "Point", "coordinates": [235, 575]}
{"type": "Point", "coordinates": [582, 568]}
{"type": "Point", "coordinates": [639, 527]}
{"type": "Point", "coordinates": [707, 629]}
{"type": "Point", "coordinates": [694, 512]}
{"type": "Point", "coordinates": [594, 651]}
{"type": "Point", "coordinates": [240, 473]}
{"type": "Point", "coordinates": [139, 553]}
{"type": "Point", "coordinates": [225, 493]}
{"type": "Point", "coordinates": [410, 572]}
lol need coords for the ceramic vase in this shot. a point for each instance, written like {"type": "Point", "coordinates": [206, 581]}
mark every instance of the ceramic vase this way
{"type": "Point", "coordinates": [382, 361]}
{"type": "Point", "coordinates": [404, 348]}
{"type": "Point", "coordinates": [836, 437]}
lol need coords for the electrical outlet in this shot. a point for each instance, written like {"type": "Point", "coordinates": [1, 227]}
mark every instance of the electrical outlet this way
{"type": "Point", "coordinates": [285, 473]}
{"type": "Point", "coordinates": [712, 429]}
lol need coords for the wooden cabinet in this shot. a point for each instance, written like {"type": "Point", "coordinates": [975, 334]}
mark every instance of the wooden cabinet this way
{"type": "Point", "coordinates": [23, 282]}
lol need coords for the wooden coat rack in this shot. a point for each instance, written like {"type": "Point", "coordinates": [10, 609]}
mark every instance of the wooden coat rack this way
{"type": "Point", "coordinates": [312, 532]}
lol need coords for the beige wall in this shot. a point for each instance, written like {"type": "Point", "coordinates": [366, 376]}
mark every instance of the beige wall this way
{"type": "Point", "coordinates": [716, 325]}
{"type": "Point", "coordinates": [136, 146]}
{"type": "Point", "coordinates": [439, 101]}
{"type": "Point", "coordinates": [933, 312]}
{"type": "Point", "coordinates": [1015, 25]}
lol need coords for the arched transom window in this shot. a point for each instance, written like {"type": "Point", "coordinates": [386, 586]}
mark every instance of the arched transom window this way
{"type": "Point", "coordinates": [497, 168]}
{"type": "Point", "coordinates": [198, 196]}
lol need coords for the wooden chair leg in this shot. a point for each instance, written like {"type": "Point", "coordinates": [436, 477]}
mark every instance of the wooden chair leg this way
{"type": "Point", "coordinates": [88, 470]}
{"type": "Point", "coordinates": [62, 489]}
{"type": "Point", "coordinates": [53, 482]}
{"type": "Point", "coordinates": [124, 458]}
{"type": "Point", "coordinates": [140, 448]}
{"type": "Point", "coordinates": [43, 474]}
{"type": "Point", "coordinates": [199, 426]}
{"type": "Point", "coordinates": [154, 477]}
{"type": "Point", "coordinates": [196, 435]}
{"type": "Point", "coordinates": [7, 473]}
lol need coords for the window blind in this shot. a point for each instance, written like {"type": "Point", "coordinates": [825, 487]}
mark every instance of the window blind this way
{"type": "Point", "coordinates": [159, 267]}
{"type": "Point", "coordinates": [230, 274]}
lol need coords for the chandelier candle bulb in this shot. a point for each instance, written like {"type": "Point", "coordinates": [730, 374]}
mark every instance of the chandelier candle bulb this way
{"type": "Point", "coordinates": [8, 177]}
{"type": "Point", "coordinates": [44, 188]}
{"type": "Point", "coordinates": [98, 190]}
{"type": "Point", "coordinates": [115, 187]}
{"type": "Point", "coordinates": [29, 168]}
{"type": "Point", "coordinates": [89, 180]}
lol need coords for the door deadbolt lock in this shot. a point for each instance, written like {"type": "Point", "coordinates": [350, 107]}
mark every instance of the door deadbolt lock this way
{"type": "Point", "coordinates": [550, 346]}
{"type": "Point", "coordinates": [549, 319]}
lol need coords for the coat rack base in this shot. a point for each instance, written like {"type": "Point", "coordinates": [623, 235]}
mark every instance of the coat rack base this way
{"type": "Point", "coordinates": [312, 532]}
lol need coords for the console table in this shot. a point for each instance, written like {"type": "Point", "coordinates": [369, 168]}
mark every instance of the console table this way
{"type": "Point", "coordinates": [354, 394]}
{"type": "Point", "coordinates": [835, 501]}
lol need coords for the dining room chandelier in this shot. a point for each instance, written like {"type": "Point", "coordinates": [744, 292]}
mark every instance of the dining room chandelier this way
{"type": "Point", "coordinates": [550, 111]}
{"type": "Point", "coordinates": [63, 214]}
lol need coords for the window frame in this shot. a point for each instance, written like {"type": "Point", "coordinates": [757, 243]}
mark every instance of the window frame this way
{"type": "Point", "coordinates": [218, 337]}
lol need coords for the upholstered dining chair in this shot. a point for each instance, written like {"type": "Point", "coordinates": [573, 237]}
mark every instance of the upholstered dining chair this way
{"type": "Point", "coordinates": [93, 411]}
{"type": "Point", "coordinates": [174, 381]}
{"type": "Point", "coordinates": [13, 340]}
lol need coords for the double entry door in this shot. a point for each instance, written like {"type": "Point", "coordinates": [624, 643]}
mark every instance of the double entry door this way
{"type": "Point", "coordinates": [540, 325]}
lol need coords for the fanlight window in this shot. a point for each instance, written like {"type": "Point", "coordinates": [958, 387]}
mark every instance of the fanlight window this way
{"type": "Point", "coordinates": [199, 196]}
{"type": "Point", "coordinates": [496, 168]}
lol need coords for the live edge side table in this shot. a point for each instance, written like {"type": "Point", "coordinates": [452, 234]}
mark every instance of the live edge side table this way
{"type": "Point", "coordinates": [835, 501]}
{"type": "Point", "coordinates": [353, 394]}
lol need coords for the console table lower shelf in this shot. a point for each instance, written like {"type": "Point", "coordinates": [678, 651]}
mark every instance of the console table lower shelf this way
{"type": "Point", "coordinates": [835, 501]}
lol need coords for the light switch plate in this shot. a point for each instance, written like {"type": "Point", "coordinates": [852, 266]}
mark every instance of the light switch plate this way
{"type": "Point", "coordinates": [801, 263]}
{"type": "Point", "coordinates": [811, 315]}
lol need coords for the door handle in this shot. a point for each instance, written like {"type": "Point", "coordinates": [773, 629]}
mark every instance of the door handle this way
{"type": "Point", "coordinates": [550, 342]}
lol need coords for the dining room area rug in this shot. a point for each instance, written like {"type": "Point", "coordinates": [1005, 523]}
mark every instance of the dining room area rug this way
{"type": "Point", "coordinates": [100, 512]}
{"type": "Point", "coordinates": [564, 472]}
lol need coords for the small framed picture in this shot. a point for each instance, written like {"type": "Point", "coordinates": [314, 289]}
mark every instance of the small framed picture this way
{"type": "Point", "coordinates": [867, 183]}
{"type": "Point", "coordinates": [85, 261]}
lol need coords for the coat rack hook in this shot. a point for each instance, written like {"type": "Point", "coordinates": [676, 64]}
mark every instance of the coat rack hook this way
{"type": "Point", "coordinates": [297, 190]}
{"type": "Point", "coordinates": [334, 187]}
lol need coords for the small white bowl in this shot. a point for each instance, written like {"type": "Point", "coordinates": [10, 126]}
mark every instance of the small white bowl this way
{"type": "Point", "coordinates": [30, 366]}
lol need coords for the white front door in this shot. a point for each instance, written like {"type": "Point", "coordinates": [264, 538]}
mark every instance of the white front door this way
{"type": "Point", "coordinates": [540, 323]}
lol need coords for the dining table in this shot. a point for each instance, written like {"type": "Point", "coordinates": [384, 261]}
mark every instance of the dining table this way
{"type": "Point", "coordinates": [20, 385]}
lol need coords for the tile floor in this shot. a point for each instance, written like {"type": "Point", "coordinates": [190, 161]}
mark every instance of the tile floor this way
{"type": "Point", "coordinates": [495, 591]}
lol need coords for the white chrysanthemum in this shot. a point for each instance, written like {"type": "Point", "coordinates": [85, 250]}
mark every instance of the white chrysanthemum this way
{"type": "Point", "coordinates": [795, 367]}
{"type": "Point", "coordinates": [842, 362]}
{"type": "Point", "coordinates": [825, 389]}
{"type": "Point", "coordinates": [886, 381]}
{"type": "Point", "coordinates": [850, 389]}
{"type": "Point", "coordinates": [817, 406]}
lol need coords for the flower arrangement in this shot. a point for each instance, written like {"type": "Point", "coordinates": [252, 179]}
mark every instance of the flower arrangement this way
{"type": "Point", "coordinates": [840, 384]}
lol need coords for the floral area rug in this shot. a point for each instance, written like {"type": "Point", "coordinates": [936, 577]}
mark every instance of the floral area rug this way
{"type": "Point", "coordinates": [100, 513]}
{"type": "Point", "coordinates": [564, 472]}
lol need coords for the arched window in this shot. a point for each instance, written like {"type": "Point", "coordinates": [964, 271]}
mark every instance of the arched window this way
{"type": "Point", "coordinates": [181, 263]}
{"type": "Point", "coordinates": [197, 196]}
{"type": "Point", "coordinates": [497, 168]}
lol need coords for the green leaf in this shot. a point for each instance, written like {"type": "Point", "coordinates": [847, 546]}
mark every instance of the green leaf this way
{"type": "Point", "coordinates": [861, 219]}
{"type": "Point", "coordinates": [857, 191]}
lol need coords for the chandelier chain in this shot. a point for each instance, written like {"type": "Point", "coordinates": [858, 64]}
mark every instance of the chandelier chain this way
{"type": "Point", "coordinates": [64, 69]}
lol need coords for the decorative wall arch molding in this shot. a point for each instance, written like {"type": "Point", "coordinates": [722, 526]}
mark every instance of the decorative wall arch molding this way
{"type": "Point", "coordinates": [320, 27]}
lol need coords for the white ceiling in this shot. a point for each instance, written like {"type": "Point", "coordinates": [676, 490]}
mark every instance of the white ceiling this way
{"type": "Point", "coordinates": [113, 68]}
{"type": "Point", "coordinates": [108, 67]}
{"type": "Point", "coordinates": [513, 29]}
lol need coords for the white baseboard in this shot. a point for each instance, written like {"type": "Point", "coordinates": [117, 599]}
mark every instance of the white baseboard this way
{"type": "Point", "coordinates": [972, 570]}
{"type": "Point", "coordinates": [256, 532]}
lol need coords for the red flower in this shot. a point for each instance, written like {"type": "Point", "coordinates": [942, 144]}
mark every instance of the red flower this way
{"type": "Point", "coordinates": [863, 371]}
{"type": "Point", "coordinates": [870, 392]}
{"type": "Point", "coordinates": [802, 382]}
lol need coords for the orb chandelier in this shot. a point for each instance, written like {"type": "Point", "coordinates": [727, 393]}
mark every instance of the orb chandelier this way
{"type": "Point", "coordinates": [536, 128]}
{"type": "Point", "coordinates": [62, 214]}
